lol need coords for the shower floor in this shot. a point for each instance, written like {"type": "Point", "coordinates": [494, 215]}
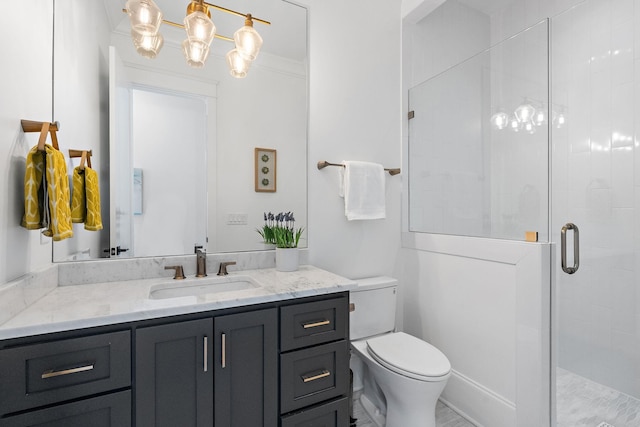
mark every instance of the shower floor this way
{"type": "Point", "coordinates": [584, 403]}
{"type": "Point", "coordinates": [445, 417]}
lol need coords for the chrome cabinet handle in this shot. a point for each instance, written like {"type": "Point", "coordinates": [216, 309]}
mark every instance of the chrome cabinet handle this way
{"type": "Point", "coordinates": [316, 324]}
{"type": "Point", "coordinates": [576, 248]}
{"type": "Point", "coordinates": [54, 373]}
{"type": "Point", "coordinates": [206, 353]}
{"type": "Point", "coordinates": [224, 350]}
{"type": "Point", "coordinates": [308, 378]}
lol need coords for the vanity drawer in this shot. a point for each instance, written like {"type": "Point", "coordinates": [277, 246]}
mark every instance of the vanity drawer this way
{"type": "Point", "coordinates": [51, 372]}
{"type": "Point", "coordinates": [330, 414]}
{"type": "Point", "coordinates": [103, 411]}
{"type": "Point", "coordinates": [307, 324]}
{"type": "Point", "coordinates": [313, 375]}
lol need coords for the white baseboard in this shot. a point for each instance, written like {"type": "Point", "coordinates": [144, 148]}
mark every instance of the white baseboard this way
{"type": "Point", "coordinates": [478, 404]}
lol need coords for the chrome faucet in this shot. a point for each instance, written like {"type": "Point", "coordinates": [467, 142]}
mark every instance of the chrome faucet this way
{"type": "Point", "coordinates": [201, 262]}
{"type": "Point", "coordinates": [222, 271]}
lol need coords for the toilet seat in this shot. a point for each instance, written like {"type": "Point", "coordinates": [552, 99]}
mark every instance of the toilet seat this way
{"type": "Point", "coordinates": [409, 356]}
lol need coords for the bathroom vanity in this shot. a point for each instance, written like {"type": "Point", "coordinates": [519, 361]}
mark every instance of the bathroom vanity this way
{"type": "Point", "coordinates": [273, 355]}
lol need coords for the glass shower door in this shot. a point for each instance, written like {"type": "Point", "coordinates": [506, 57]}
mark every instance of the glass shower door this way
{"type": "Point", "coordinates": [595, 183]}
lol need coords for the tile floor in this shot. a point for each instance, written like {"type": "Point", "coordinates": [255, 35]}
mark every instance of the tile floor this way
{"type": "Point", "coordinates": [445, 417]}
{"type": "Point", "coordinates": [580, 403]}
{"type": "Point", "coordinates": [584, 403]}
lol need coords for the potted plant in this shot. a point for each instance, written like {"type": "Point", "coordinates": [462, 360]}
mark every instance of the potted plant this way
{"type": "Point", "coordinates": [280, 230]}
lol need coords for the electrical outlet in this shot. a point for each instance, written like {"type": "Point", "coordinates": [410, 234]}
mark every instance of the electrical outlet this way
{"type": "Point", "coordinates": [237, 219]}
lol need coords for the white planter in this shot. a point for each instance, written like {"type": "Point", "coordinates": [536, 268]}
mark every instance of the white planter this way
{"type": "Point", "coordinates": [287, 259]}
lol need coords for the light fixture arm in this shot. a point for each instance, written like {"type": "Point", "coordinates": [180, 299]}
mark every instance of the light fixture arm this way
{"type": "Point", "coordinates": [175, 24]}
{"type": "Point", "coordinates": [233, 12]}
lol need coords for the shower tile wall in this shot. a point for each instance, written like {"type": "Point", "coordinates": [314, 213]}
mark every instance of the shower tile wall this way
{"type": "Point", "coordinates": [595, 74]}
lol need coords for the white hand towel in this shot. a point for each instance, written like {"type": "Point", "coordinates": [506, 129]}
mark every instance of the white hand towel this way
{"type": "Point", "coordinates": [362, 185]}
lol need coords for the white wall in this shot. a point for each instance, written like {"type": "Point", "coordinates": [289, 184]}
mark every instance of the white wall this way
{"type": "Point", "coordinates": [355, 115]}
{"type": "Point", "coordinates": [26, 94]}
{"type": "Point", "coordinates": [82, 108]}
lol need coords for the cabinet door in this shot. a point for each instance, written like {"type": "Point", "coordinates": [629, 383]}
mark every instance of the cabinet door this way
{"type": "Point", "coordinates": [246, 356]}
{"type": "Point", "coordinates": [174, 379]}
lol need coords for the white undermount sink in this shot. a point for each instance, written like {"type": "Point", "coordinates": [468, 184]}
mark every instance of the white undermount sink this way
{"type": "Point", "coordinates": [201, 286]}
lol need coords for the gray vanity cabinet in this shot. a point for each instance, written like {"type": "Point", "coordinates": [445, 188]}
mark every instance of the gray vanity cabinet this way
{"type": "Point", "coordinates": [174, 375]}
{"type": "Point", "coordinates": [284, 363]}
{"type": "Point", "coordinates": [181, 366]}
{"type": "Point", "coordinates": [67, 382]}
{"type": "Point", "coordinates": [314, 364]}
{"type": "Point", "coordinates": [246, 369]}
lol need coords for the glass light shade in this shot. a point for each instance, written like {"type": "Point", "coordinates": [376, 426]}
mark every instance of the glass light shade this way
{"type": "Point", "coordinates": [248, 41]}
{"type": "Point", "coordinates": [525, 112]}
{"type": "Point", "coordinates": [238, 65]}
{"type": "Point", "coordinates": [147, 46]}
{"type": "Point", "coordinates": [529, 127]}
{"type": "Point", "coordinates": [195, 52]}
{"type": "Point", "coordinates": [514, 124]}
{"type": "Point", "coordinates": [199, 28]}
{"type": "Point", "coordinates": [499, 120]}
{"type": "Point", "coordinates": [539, 118]}
{"type": "Point", "coordinates": [145, 16]}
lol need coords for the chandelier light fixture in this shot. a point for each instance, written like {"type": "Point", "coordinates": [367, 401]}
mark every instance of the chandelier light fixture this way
{"type": "Point", "coordinates": [528, 118]}
{"type": "Point", "coordinates": [146, 19]}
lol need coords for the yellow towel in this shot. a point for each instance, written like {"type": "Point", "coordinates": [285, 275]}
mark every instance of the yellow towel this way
{"type": "Point", "coordinates": [78, 199]}
{"type": "Point", "coordinates": [85, 203]}
{"type": "Point", "coordinates": [46, 199]}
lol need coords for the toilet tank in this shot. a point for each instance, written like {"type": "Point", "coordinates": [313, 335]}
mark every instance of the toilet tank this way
{"type": "Point", "coordinates": [375, 307]}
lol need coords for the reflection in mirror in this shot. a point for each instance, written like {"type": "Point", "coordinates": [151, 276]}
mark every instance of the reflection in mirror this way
{"type": "Point", "coordinates": [469, 173]}
{"type": "Point", "coordinates": [174, 145]}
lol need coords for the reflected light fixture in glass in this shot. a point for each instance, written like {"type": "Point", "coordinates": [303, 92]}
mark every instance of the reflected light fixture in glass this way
{"type": "Point", "coordinates": [514, 124]}
{"type": "Point", "coordinates": [499, 120]}
{"type": "Point", "coordinates": [529, 127]}
{"type": "Point", "coordinates": [145, 16]}
{"type": "Point", "coordinates": [525, 112]}
{"type": "Point", "coordinates": [539, 118]}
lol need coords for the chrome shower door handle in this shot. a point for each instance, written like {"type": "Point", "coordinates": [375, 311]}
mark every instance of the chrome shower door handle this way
{"type": "Point", "coordinates": [576, 248]}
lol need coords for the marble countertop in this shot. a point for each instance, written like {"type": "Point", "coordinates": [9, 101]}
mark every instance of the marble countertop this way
{"type": "Point", "coordinates": [88, 305]}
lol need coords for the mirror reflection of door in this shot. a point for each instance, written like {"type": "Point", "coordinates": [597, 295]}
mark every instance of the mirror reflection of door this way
{"type": "Point", "coordinates": [168, 154]}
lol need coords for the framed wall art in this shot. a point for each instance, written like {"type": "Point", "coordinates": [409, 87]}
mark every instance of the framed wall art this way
{"type": "Point", "coordinates": [265, 173]}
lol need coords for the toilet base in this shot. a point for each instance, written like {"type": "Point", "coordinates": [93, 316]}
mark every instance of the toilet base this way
{"type": "Point", "coordinates": [372, 412]}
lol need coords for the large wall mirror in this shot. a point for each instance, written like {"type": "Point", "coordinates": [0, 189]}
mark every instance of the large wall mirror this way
{"type": "Point", "coordinates": [174, 146]}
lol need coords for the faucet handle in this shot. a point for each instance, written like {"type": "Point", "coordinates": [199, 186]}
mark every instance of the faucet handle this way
{"type": "Point", "coordinates": [179, 271]}
{"type": "Point", "coordinates": [222, 271]}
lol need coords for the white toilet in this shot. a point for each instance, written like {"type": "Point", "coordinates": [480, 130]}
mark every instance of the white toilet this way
{"type": "Point", "coordinates": [399, 377]}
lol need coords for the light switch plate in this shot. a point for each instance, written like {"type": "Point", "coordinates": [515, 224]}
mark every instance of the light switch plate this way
{"type": "Point", "coordinates": [237, 219]}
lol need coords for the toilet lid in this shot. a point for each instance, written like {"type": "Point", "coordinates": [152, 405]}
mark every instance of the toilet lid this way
{"type": "Point", "coordinates": [409, 356]}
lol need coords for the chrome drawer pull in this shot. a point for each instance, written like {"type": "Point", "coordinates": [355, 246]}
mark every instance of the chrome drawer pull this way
{"type": "Point", "coordinates": [307, 378]}
{"type": "Point", "coordinates": [51, 374]}
{"type": "Point", "coordinates": [206, 353]}
{"type": "Point", "coordinates": [316, 324]}
{"type": "Point", "coordinates": [224, 350]}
